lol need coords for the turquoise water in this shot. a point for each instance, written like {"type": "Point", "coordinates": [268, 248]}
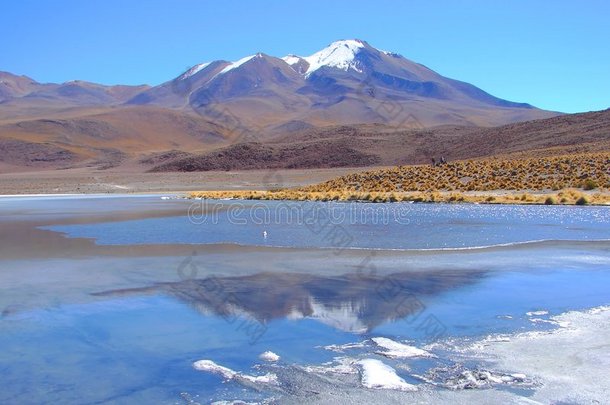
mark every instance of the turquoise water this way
{"type": "Point", "coordinates": [128, 329]}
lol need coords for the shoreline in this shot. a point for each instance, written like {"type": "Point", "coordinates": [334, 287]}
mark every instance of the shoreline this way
{"type": "Point", "coordinates": [507, 197]}
{"type": "Point", "coordinates": [124, 181]}
{"type": "Point", "coordinates": [599, 199]}
{"type": "Point", "coordinates": [492, 197]}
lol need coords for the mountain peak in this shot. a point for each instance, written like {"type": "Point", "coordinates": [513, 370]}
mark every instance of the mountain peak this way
{"type": "Point", "coordinates": [339, 54]}
{"type": "Point", "coordinates": [345, 82]}
{"type": "Point", "coordinates": [242, 61]}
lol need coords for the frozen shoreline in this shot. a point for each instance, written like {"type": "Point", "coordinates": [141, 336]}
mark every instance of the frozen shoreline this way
{"type": "Point", "coordinates": [565, 365]}
{"type": "Point", "coordinates": [571, 362]}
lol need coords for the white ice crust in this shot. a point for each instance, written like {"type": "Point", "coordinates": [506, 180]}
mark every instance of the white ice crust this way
{"type": "Point", "coordinates": [396, 350]}
{"type": "Point", "coordinates": [211, 367]}
{"type": "Point", "coordinates": [269, 356]}
{"type": "Point", "coordinates": [377, 375]}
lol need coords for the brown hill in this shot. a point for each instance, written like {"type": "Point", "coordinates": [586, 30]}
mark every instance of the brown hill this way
{"type": "Point", "coordinates": [171, 140]}
{"type": "Point", "coordinates": [249, 156]}
{"type": "Point", "coordinates": [109, 137]}
{"type": "Point", "coordinates": [366, 145]}
{"type": "Point", "coordinates": [22, 90]}
{"type": "Point", "coordinates": [589, 171]}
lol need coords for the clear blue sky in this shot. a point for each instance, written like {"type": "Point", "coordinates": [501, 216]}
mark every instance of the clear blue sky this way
{"type": "Point", "coordinates": [553, 54]}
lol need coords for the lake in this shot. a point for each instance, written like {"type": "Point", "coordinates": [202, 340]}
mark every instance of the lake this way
{"type": "Point", "coordinates": [155, 299]}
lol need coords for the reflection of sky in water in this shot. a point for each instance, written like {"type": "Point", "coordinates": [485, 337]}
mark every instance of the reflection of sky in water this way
{"type": "Point", "coordinates": [138, 344]}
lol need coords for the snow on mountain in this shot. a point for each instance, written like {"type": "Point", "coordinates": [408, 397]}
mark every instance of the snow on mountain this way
{"type": "Point", "coordinates": [234, 65]}
{"type": "Point", "coordinates": [327, 87]}
{"type": "Point", "coordinates": [339, 54]}
{"type": "Point", "coordinates": [292, 59]}
{"type": "Point", "coordinates": [194, 70]}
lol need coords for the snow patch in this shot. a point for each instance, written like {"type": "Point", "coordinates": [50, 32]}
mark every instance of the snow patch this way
{"type": "Point", "coordinates": [396, 350]}
{"type": "Point", "coordinates": [292, 59]}
{"type": "Point", "coordinates": [392, 54]}
{"type": "Point", "coordinates": [194, 70]}
{"type": "Point", "coordinates": [598, 310]}
{"type": "Point", "coordinates": [339, 54]}
{"type": "Point", "coordinates": [211, 367]}
{"type": "Point", "coordinates": [561, 324]}
{"type": "Point", "coordinates": [236, 402]}
{"type": "Point", "coordinates": [235, 65]}
{"type": "Point", "coordinates": [377, 375]}
{"type": "Point", "coordinates": [537, 313]}
{"type": "Point", "coordinates": [269, 356]}
{"type": "Point", "coordinates": [347, 346]}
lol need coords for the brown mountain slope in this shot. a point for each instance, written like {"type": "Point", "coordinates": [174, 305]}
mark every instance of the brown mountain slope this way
{"type": "Point", "coordinates": [172, 140]}
{"type": "Point", "coordinates": [108, 137]}
{"type": "Point", "coordinates": [249, 156]}
{"type": "Point", "coordinates": [76, 92]}
{"type": "Point", "coordinates": [366, 145]}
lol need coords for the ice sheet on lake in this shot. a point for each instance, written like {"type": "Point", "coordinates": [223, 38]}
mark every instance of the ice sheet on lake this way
{"type": "Point", "coordinates": [570, 362]}
{"type": "Point", "coordinates": [512, 368]}
{"type": "Point", "coordinates": [339, 365]}
{"type": "Point", "coordinates": [459, 377]}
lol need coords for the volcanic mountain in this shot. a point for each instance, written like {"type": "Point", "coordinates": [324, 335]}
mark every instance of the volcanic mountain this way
{"type": "Point", "coordinates": [348, 82]}
{"type": "Point", "coordinates": [349, 104]}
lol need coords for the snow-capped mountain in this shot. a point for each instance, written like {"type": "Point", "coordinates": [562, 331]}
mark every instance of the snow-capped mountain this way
{"type": "Point", "coordinates": [347, 82]}
{"type": "Point", "coordinates": [340, 55]}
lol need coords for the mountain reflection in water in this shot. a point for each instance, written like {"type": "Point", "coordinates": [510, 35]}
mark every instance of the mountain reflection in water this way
{"type": "Point", "coordinates": [350, 302]}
